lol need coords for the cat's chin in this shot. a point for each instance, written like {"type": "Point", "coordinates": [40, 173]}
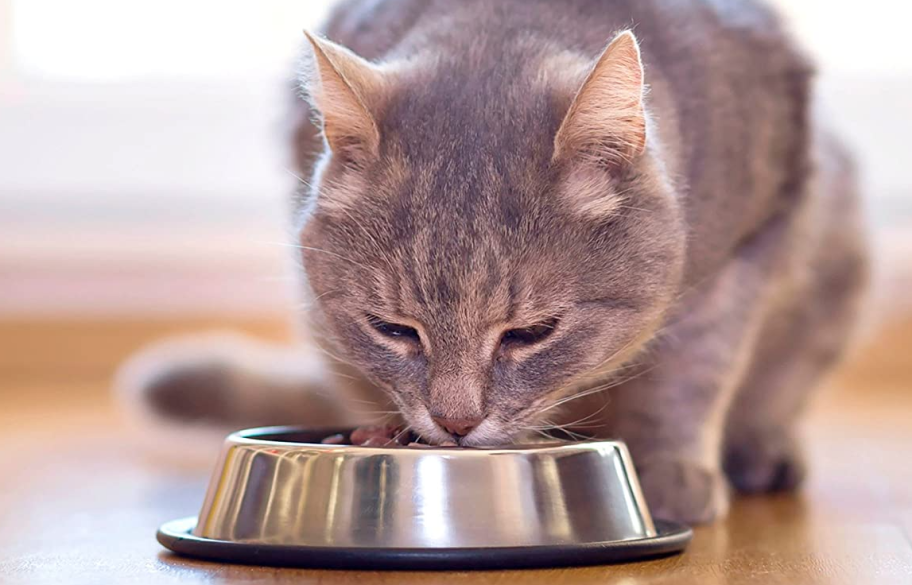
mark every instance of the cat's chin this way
{"type": "Point", "coordinates": [488, 435]}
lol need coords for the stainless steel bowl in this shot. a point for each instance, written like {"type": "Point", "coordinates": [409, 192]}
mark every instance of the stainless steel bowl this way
{"type": "Point", "coordinates": [279, 497]}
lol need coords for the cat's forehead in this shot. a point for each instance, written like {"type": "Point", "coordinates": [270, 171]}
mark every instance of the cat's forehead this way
{"type": "Point", "coordinates": [455, 252]}
{"type": "Point", "coordinates": [457, 114]}
{"type": "Point", "coordinates": [478, 210]}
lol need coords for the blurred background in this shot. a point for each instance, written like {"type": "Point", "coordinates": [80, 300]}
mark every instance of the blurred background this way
{"type": "Point", "coordinates": [143, 173]}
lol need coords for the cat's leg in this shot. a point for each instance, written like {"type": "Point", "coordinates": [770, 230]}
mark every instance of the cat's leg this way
{"type": "Point", "coordinates": [672, 416]}
{"type": "Point", "coordinates": [761, 448]}
{"type": "Point", "coordinates": [803, 340]}
{"type": "Point", "coordinates": [227, 381]}
{"type": "Point", "coordinates": [762, 452]}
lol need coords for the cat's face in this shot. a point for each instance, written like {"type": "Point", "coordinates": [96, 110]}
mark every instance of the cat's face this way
{"type": "Point", "coordinates": [476, 262]}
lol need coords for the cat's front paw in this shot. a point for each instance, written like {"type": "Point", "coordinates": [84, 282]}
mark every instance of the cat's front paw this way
{"type": "Point", "coordinates": [683, 490]}
{"type": "Point", "coordinates": [767, 461]}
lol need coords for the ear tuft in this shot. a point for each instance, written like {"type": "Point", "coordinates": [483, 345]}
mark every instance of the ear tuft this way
{"type": "Point", "coordinates": [606, 121]}
{"type": "Point", "coordinates": [342, 87]}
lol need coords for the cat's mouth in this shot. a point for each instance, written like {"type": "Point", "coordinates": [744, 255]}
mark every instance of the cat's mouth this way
{"type": "Point", "coordinates": [491, 433]}
{"type": "Point", "coordinates": [533, 423]}
{"type": "Point", "coordinates": [488, 433]}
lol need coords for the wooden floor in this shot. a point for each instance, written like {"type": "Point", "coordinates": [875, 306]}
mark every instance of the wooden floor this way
{"type": "Point", "coordinates": [79, 503]}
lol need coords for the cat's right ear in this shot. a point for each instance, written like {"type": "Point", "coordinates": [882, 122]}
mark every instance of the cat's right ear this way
{"type": "Point", "coordinates": [606, 121]}
{"type": "Point", "coordinates": [343, 87]}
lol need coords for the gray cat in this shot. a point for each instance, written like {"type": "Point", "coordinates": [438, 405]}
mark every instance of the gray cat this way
{"type": "Point", "coordinates": [508, 227]}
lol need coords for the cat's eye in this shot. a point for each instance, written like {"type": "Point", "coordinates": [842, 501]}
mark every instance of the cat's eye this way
{"type": "Point", "coordinates": [529, 335]}
{"type": "Point", "coordinates": [393, 330]}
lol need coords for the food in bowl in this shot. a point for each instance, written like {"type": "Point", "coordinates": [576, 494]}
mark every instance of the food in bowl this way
{"type": "Point", "coordinates": [381, 436]}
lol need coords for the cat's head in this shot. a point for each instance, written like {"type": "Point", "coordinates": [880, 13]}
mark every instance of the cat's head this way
{"type": "Point", "coordinates": [481, 235]}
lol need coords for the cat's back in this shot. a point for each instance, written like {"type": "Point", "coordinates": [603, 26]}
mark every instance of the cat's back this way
{"type": "Point", "coordinates": [672, 28]}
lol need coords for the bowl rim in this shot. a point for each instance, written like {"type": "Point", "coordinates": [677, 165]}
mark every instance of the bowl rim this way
{"type": "Point", "coordinates": [250, 437]}
{"type": "Point", "coordinates": [670, 538]}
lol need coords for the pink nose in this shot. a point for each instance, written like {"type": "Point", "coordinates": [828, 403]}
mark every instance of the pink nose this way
{"type": "Point", "coordinates": [457, 426]}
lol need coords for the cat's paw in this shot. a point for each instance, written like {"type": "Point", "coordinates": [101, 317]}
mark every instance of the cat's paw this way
{"type": "Point", "coordinates": [225, 381]}
{"type": "Point", "coordinates": [192, 392]}
{"type": "Point", "coordinates": [192, 379]}
{"type": "Point", "coordinates": [683, 490]}
{"type": "Point", "coordinates": [767, 461]}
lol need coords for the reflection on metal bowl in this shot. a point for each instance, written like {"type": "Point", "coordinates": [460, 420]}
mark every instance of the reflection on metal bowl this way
{"type": "Point", "coordinates": [279, 493]}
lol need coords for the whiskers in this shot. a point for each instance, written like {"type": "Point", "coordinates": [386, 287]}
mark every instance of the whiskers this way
{"type": "Point", "coordinates": [299, 178]}
{"type": "Point", "coordinates": [311, 303]}
{"type": "Point", "coordinates": [405, 429]}
{"type": "Point", "coordinates": [569, 429]}
{"type": "Point", "coordinates": [537, 420]}
{"type": "Point", "coordinates": [551, 436]}
{"type": "Point", "coordinates": [595, 390]}
{"type": "Point", "coordinates": [380, 418]}
{"type": "Point", "coordinates": [295, 246]}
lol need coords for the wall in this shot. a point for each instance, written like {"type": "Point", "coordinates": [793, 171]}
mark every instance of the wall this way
{"type": "Point", "coordinates": [142, 167]}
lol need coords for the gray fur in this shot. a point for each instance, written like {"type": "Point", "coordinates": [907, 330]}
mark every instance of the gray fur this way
{"type": "Point", "coordinates": [694, 319]}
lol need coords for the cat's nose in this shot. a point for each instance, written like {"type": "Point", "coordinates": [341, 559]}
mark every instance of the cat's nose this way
{"type": "Point", "coordinates": [457, 426]}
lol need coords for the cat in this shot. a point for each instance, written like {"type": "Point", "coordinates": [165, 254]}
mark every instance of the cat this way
{"type": "Point", "coordinates": [620, 218]}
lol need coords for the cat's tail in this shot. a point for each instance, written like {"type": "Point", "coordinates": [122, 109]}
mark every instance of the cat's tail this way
{"type": "Point", "coordinates": [182, 396]}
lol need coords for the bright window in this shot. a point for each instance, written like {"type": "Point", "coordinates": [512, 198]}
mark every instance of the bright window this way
{"type": "Point", "coordinates": [118, 40]}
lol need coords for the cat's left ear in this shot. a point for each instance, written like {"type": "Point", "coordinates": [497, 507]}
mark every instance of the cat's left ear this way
{"type": "Point", "coordinates": [606, 121]}
{"type": "Point", "coordinates": [344, 87]}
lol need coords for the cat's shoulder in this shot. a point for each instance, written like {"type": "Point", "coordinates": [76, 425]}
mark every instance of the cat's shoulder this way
{"type": "Point", "coordinates": [753, 28]}
{"type": "Point", "coordinates": [371, 27]}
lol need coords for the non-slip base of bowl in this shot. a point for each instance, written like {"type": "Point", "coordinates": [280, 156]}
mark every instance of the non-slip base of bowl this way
{"type": "Point", "coordinates": [177, 536]}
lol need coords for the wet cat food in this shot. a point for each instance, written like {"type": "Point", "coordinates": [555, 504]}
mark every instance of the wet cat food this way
{"type": "Point", "coordinates": [381, 436]}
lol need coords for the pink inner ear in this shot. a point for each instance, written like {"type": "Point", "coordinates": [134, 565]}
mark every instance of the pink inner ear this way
{"type": "Point", "coordinates": [607, 121]}
{"type": "Point", "coordinates": [338, 87]}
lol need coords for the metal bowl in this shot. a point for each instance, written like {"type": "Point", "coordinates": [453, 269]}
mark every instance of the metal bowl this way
{"type": "Point", "coordinates": [280, 497]}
